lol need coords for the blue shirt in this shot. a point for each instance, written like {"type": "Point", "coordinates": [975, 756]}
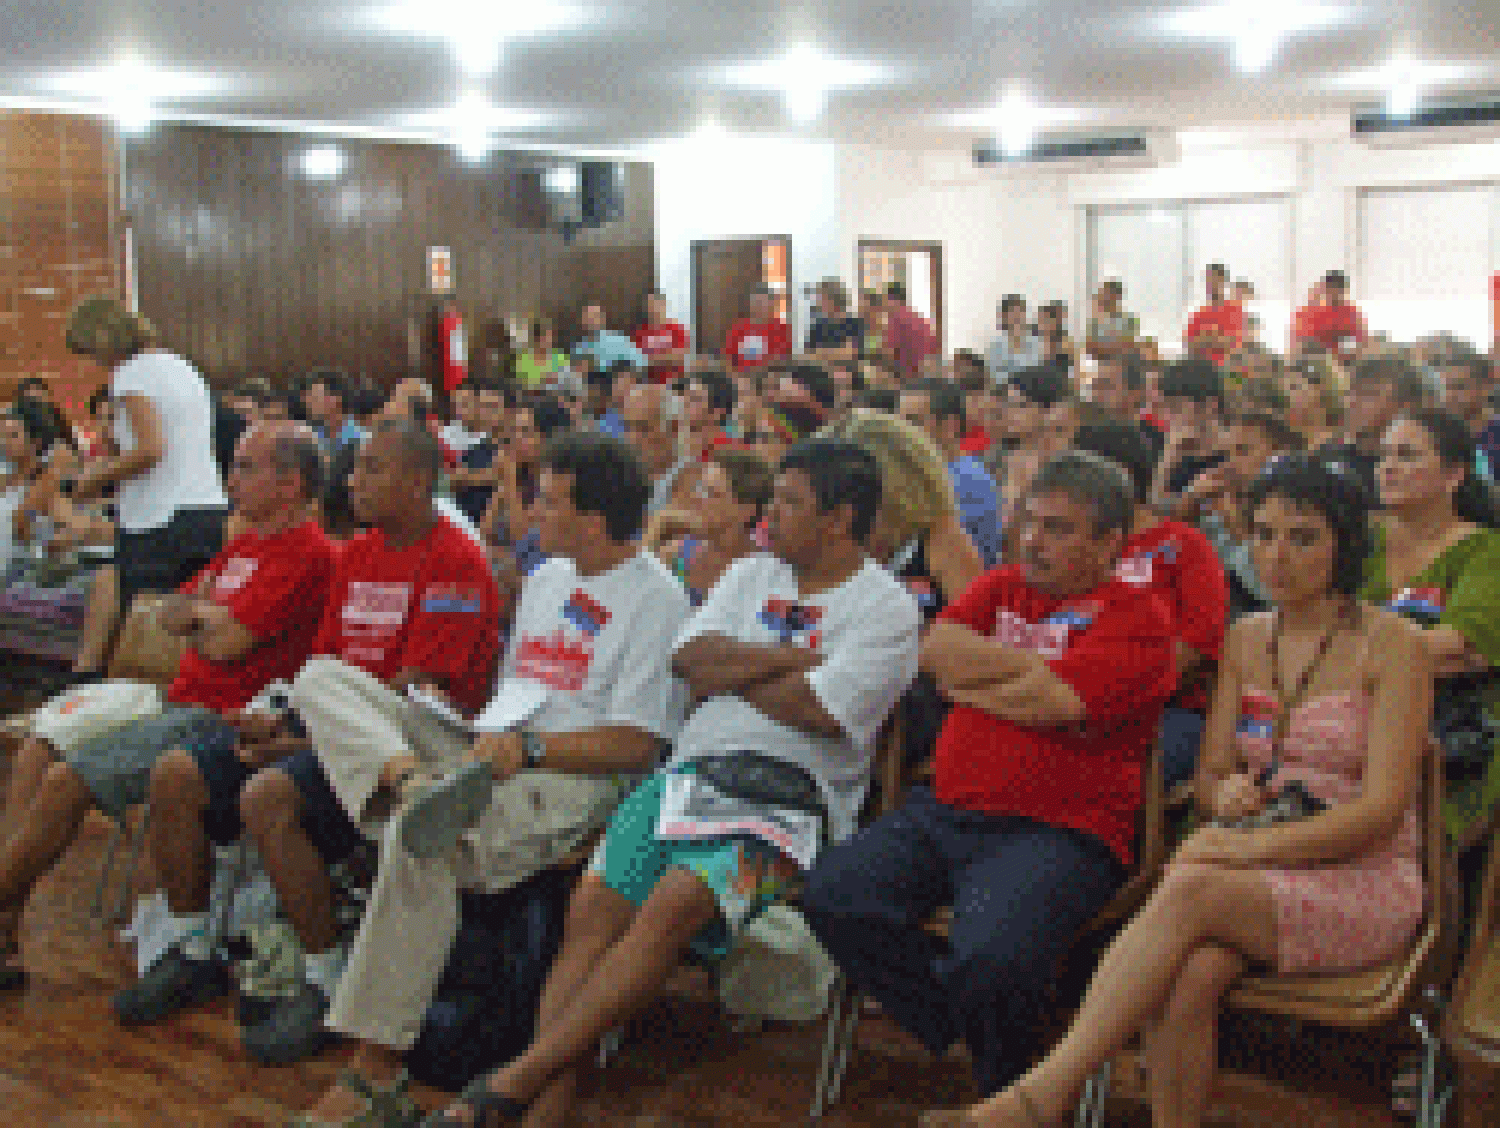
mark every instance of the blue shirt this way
{"type": "Point", "coordinates": [350, 432]}
{"type": "Point", "coordinates": [611, 423]}
{"type": "Point", "coordinates": [978, 508]}
{"type": "Point", "coordinates": [606, 347]}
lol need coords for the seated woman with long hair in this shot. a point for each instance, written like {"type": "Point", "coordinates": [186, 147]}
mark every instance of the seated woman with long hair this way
{"type": "Point", "coordinates": [701, 539]}
{"type": "Point", "coordinates": [1325, 691]}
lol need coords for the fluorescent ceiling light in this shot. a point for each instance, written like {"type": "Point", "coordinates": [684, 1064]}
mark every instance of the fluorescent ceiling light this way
{"type": "Point", "coordinates": [1403, 81]}
{"type": "Point", "coordinates": [324, 162]}
{"type": "Point", "coordinates": [1257, 28]}
{"type": "Point", "coordinates": [562, 179]}
{"type": "Point", "coordinates": [1017, 117]}
{"type": "Point", "coordinates": [131, 91]}
{"type": "Point", "coordinates": [805, 77]}
{"type": "Point", "coordinates": [475, 30]}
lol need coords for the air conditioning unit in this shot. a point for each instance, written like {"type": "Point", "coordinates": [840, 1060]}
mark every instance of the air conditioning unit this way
{"type": "Point", "coordinates": [1438, 122]}
{"type": "Point", "coordinates": [1110, 152]}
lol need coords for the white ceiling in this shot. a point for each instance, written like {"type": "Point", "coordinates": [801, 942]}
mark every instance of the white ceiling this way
{"type": "Point", "coordinates": [614, 75]}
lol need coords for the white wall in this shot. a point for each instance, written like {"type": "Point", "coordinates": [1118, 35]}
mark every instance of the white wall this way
{"type": "Point", "coordinates": [745, 187]}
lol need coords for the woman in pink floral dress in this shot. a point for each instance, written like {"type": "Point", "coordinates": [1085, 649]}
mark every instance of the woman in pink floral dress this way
{"type": "Point", "coordinates": [1322, 692]}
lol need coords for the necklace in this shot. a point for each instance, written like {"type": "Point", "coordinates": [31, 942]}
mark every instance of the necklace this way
{"type": "Point", "coordinates": [1285, 704]}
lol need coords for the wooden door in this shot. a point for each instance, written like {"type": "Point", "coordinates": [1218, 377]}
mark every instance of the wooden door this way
{"type": "Point", "coordinates": [725, 273]}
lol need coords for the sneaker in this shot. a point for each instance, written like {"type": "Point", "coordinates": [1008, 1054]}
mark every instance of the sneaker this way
{"type": "Point", "coordinates": [173, 983]}
{"type": "Point", "coordinates": [437, 817]}
{"type": "Point", "coordinates": [293, 1032]}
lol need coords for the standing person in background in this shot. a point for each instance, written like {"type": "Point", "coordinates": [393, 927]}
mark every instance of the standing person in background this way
{"type": "Point", "coordinates": [540, 364]}
{"type": "Point", "coordinates": [1058, 348]}
{"type": "Point", "coordinates": [171, 499]}
{"type": "Point", "coordinates": [835, 334]}
{"type": "Point", "coordinates": [1112, 331]}
{"type": "Point", "coordinates": [759, 338]}
{"type": "Point", "coordinates": [665, 342]}
{"type": "Point", "coordinates": [1217, 328]}
{"type": "Point", "coordinates": [1016, 347]}
{"type": "Point", "coordinates": [872, 313]}
{"type": "Point", "coordinates": [604, 345]}
{"type": "Point", "coordinates": [453, 346]}
{"type": "Point", "coordinates": [1331, 320]}
{"type": "Point", "coordinates": [909, 339]}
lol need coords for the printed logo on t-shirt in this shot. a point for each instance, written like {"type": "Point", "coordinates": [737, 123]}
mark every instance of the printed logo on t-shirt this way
{"type": "Point", "coordinates": [1051, 637]}
{"type": "Point", "coordinates": [1139, 569]}
{"type": "Point", "coordinates": [657, 342]}
{"type": "Point", "coordinates": [753, 347]}
{"type": "Point", "coordinates": [922, 591]}
{"type": "Point", "coordinates": [791, 622]}
{"type": "Point", "coordinates": [585, 613]}
{"type": "Point", "coordinates": [440, 599]}
{"type": "Point", "coordinates": [376, 605]}
{"type": "Point", "coordinates": [1423, 602]}
{"type": "Point", "coordinates": [1257, 716]}
{"type": "Point", "coordinates": [235, 575]}
{"type": "Point", "coordinates": [555, 660]}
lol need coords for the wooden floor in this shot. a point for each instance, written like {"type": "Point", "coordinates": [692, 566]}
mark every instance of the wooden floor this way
{"type": "Point", "coordinates": [63, 1061]}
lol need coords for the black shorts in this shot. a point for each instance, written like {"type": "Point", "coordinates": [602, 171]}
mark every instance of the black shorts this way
{"type": "Point", "coordinates": [164, 559]}
{"type": "Point", "coordinates": [331, 830]}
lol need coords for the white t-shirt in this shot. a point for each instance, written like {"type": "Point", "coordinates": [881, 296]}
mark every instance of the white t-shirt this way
{"type": "Point", "coordinates": [459, 438]}
{"type": "Point", "coordinates": [867, 628]}
{"type": "Point", "coordinates": [596, 650]}
{"type": "Point", "coordinates": [187, 475]}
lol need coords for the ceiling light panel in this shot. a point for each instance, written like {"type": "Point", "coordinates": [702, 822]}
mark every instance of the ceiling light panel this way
{"type": "Point", "coordinates": [1257, 29]}
{"type": "Point", "coordinates": [475, 30]}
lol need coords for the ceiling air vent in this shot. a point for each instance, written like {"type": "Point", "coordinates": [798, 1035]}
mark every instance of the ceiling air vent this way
{"type": "Point", "coordinates": [1445, 122]}
{"type": "Point", "coordinates": [1100, 153]}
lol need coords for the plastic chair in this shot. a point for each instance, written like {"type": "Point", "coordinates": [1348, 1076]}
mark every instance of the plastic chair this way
{"type": "Point", "coordinates": [1363, 999]}
{"type": "Point", "coordinates": [843, 1012]}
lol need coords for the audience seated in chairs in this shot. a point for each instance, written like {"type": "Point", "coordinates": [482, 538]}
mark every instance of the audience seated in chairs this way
{"type": "Point", "coordinates": [245, 624]}
{"type": "Point", "coordinates": [1057, 672]}
{"type": "Point", "coordinates": [937, 407]}
{"type": "Point", "coordinates": [1325, 693]}
{"type": "Point", "coordinates": [32, 445]}
{"type": "Point", "coordinates": [586, 698]}
{"type": "Point", "coordinates": [1031, 396]}
{"type": "Point", "coordinates": [798, 659]}
{"type": "Point", "coordinates": [1176, 562]}
{"type": "Point", "coordinates": [700, 539]}
{"type": "Point", "coordinates": [411, 604]}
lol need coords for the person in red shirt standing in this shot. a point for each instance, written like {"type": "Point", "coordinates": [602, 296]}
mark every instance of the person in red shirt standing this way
{"type": "Point", "coordinates": [1178, 563]}
{"type": "Point", "coordinates": [453, 348]}
{"type": "Point", "coordinates": [1331, 319]}
{"type": "Point", "coordinates": [243, 623]}
{"type": "Point", "coordinates": [1217, 328]}
{"type": "Point", "coordinates": [756, 340]}
{"type": "Point", "coordinates": [909, 339]}
{"type": "Point", "coordinates": [412, 605]}
{"type": "Point", "coordinates": [664, 342]}
{"type": "Point", "coordinates": [1057, 672]}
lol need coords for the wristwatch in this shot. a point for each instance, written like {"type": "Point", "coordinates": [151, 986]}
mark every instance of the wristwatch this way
{"type": "Point", "coordinates": [533, 749]}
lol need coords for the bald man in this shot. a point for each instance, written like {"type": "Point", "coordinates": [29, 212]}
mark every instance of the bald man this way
{"type": "Point", "coordinates": [651, 414]}
{"type": "Point", "coordinates": [243, 618]}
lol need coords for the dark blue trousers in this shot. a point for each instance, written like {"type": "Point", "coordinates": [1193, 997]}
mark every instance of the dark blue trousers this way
{"type": "Point", "coordinates": [1020, 890]}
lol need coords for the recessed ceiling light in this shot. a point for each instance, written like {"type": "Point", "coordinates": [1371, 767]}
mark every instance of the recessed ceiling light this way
{"type": "Point", "coordinates": [1257, 28]}
{"type": "Point", "coordinates": [475, 30]}
{"type": "Point", "coordinates": [1015, 123]}
{"type": "Point", "coordinates": [324, 162]}
{"type": "Point", "coordinates": [1403, 80]}
{"type": "Point", "coordinates": [804, 76]}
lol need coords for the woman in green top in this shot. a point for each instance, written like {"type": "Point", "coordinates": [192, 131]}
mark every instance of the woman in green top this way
{"type": "Point", "coordinates": [540, 364]}
{"type": "Point", "coordinates": [1436, 558]}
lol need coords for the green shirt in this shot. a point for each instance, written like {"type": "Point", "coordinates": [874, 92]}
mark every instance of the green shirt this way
{"type": "Point", "coordinates": [530, 373]}
{"type": "Point", "coordinates": [1460, 589]}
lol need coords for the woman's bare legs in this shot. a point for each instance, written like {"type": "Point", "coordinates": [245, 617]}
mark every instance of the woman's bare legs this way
{"type": "Point", "coordinates": [1184, 1048]}
{"type": "Point", "coordinates": [1194, 906]}
{"type": "Point", "coordinates": [101, 615]}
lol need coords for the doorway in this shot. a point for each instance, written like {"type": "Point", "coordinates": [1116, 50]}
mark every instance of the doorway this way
{"type": "Point", "coordinates": [913, 263]}
{"type": "Point", "coordinates": [726, 272]}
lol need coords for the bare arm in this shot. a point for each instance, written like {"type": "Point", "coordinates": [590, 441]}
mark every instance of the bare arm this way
{"type": "Point", "coordinates": [145, 424]}
{"type": "Point", "coordinates": [1452, 652]}
{"type": "Point", "coordinates": [790, 700]}
{"type": "Point", "coordinates": [603, 751]}
{"type": "Point", "coordinates": [954, 559]}
{"type": "Point", "coordinates": [712, 664]}
{"type": "Point", "coordinates": [1014, 684]}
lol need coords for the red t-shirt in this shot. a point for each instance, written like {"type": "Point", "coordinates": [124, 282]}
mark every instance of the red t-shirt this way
{"type": "Point", "coordinates": [432, 606]}
{"type": "Point", "coordinates": [909, 339]}
{"type": "Point", "coordinates": [1114, 647]}
{"type": "Point", "coordinates": [975, 441]}
{"type": "Point", "coordinates": [1178, 564]}
{"type": "Point", "coordinates": [754, 344]}
{"type": "Point", "coordinates": [653, 340]}
{"type": "Point", "coordinates": [1332, 326]}
{"type": "Point", "coordinates": [455, 351]}
{"type": "Point", "coordinates": [274, 587]}
{"type": "Point", "coordinates": [1227, 318]}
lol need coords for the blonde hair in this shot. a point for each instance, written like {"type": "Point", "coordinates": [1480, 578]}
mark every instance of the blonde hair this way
{"type": "Point", "coordinates": [915, 490]}
{"type": "Point", "coordinates": [102, 328]}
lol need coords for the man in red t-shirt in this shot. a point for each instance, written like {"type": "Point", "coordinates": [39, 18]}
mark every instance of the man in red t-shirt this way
{"type": "Point", "coordinates": [908, 337]}
{"type": "Point", "coordinates": [1331, 319]}
{"type": "Point", "coordinates": [241, 618]}
{"type": "Point", "coordinates": [664, 342]}
{"type": "Point", "coordinates": [1217, 328]}
{"type": "Point", "coordinates": [756, 340]}
{"type": "Point", "coordinates": [453, 346]}
{"type": "Point", "coordinates": [412, 604]}
{"type": "Point", "coordinates": [1057, 672]}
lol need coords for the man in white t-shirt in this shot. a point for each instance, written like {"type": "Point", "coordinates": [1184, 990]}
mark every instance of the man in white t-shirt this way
{"type": "Point", "coordinates": [797, 658]}
{"type": "Point", "coordinates": [585, 702]}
